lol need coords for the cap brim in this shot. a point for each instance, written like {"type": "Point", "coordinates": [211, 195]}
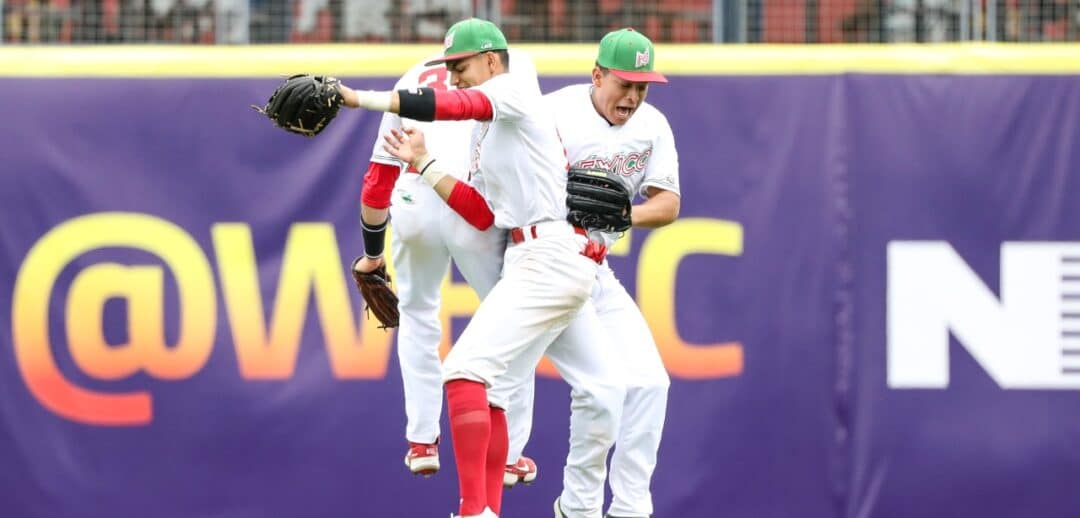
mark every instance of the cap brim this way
{"type": "Point", "coordinates": [639, 77]}
{"type": "Point", "coordinates": [451, 57]}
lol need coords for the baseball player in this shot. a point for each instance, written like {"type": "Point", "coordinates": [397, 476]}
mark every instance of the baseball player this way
{"type": "Point", "coordinates": [549, 267]}
{"type": "Point", "coordinates": [608, 126]}
{"type": "Point", "coordinates": [427, 234]}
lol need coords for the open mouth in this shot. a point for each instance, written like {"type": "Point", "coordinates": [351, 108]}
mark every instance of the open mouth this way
{"type": "Point", "coordinates": [623, 111]}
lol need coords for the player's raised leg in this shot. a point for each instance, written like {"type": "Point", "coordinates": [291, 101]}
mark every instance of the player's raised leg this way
{"type": "Point", "coordinates": [544, 284]}
{"type": "Point", "coordinates": [478, 255]}
{"type": "Point", "coordinates": [422, 261]}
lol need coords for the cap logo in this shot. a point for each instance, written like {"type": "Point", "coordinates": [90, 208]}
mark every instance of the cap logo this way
{"type": "Point", "coordinates": [486, 45]}
{"type": "Point", "coordinates": [449, 40]}
{"type": "Point", "coordinates": [641, 59]}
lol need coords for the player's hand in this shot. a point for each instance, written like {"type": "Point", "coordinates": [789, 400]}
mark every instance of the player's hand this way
{"type": "Point", "coordinates": [406, 145]}
{"type": "Point", "coordinates": [351, 98]}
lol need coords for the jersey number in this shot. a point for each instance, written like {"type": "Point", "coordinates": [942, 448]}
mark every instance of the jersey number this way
{"type": "Point", "coordinates": [434, 77]}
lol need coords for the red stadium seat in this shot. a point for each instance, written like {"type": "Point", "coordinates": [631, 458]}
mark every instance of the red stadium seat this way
{"type": "Point", "coordinates": [784, 21]}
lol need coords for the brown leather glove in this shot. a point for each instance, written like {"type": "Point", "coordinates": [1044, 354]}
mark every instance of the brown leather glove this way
{"type": "Point", "coordinates": [379, 299]}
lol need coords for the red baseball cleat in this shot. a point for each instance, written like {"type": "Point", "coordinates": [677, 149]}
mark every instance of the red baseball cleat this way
{"type": "Point", "coordinates": [423, 459]}
{"type": "Point", "coordinates": [524, 470]}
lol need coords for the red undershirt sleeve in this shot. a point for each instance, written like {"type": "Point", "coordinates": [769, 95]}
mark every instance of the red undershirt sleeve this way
{"type": "Point", "coordinates": [470, 205]}
{"type": "Point", "coordinates": [456, 105]}
{"type": "Point", "coordinates": [378, 185]}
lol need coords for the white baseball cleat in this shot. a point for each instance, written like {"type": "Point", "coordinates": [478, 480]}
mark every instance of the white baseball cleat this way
{"type": "Point", "coordinates": [524, 471]}
{"type": "Point", "coordinates": [423, 459]}
{"type": "Point", "coordinates": [486, 513]}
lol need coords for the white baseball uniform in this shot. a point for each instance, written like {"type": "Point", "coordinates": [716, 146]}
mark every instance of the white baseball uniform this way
{"type": "Point", "coordinates": [642, 154]}
{"type": "Point", "coordinates": [427, 234]}
{"type": "Point", "coordinates": [545, 286]}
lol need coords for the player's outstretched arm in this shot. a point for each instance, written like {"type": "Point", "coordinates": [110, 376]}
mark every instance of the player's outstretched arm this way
{"type": "Point", "coordinates": [306, 104]}
{"type": "Point", "coordinates": [422, 104]}
{"type": "Point", "coordinates": [408, 146]}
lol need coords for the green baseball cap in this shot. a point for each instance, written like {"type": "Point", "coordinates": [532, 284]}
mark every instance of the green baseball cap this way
{"type": "Point", "coordinates": [468, 38]}
{"type": "Point", "coordinates": [630, 56]}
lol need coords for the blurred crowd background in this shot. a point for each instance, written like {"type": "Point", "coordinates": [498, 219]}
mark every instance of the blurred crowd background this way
{"type": "Point", "coordinates": [401, 21]}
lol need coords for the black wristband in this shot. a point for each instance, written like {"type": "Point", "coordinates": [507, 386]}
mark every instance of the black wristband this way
{"type": "Point", "coordinates": [417, 104]}
{"type": "Point", "coordinates": [374, 237]}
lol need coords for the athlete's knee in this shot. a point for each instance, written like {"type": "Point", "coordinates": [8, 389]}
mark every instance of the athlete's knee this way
{"type": "Point", "coordinates": [602, 403]}
{"type": "Point", "coordinates": [499, 396]}
{"type": "Point", "coordinates": [651, 394]}
{"type": "Point", "coordinates": [452, 365]}
{"type": "Point", "coordinates": [460, 365]}
{"type": "Point", "coordinates": [418, 335]}
{"type": "Point", "coordinates": [653, 381]}
{"type": "Point", "coordinates": [419, 307]}
{"type": "Point", "coordinates": [659, 385]}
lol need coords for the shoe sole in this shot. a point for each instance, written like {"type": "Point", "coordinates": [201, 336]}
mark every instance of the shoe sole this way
{"type": "Point", "coordinates": [510, 480]}
{"type": "Point", "coordinates": [424, 467]}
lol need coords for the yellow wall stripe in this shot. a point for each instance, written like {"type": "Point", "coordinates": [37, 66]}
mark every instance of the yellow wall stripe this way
{"type": "Point", "coordinates": [354, 60]}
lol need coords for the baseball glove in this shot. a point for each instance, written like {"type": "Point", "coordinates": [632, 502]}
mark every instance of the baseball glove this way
{"type": "Point", "coordinates": [374, 287]}
{"type": "Point", "coordinates": [597, 201]}
{"type": "Point", "coordinates": [304, 104]}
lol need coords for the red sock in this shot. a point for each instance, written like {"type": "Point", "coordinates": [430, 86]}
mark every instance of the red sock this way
{"type": "Point", "coordinates": [496, 458]}
{"type": "Point", "coordinates": [470, 428]}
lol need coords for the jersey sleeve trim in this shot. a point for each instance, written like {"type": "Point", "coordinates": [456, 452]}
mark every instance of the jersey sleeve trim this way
{"type": "Point", "coordinates": [386, 160]}
{"type": "Point", "coordinates": [644, 189]}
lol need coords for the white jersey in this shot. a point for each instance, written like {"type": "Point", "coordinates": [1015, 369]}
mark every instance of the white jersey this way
{"type": "Point", "coordinates": [640, 153]}
{"type": "Point", "coordinates": [517, 154]}
{"type": "Point", "coordinates": [448, 141]}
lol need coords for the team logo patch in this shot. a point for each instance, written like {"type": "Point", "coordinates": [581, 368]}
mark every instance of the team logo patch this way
{"type": "Point", "coordinates": [449, 40]}
{"type": "Point", "coordinates": [641, 59]}
{"type": "Point", "coordinates": [486, 45]}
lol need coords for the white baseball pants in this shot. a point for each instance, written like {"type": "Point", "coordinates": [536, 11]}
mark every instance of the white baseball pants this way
{"type": "Point", "coordinates": [426, 235]}
{"type": "Point", "coordinates": [543, 292]}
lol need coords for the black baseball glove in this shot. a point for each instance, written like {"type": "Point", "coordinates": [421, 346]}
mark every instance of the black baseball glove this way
{"type": "Point", "coordinates": [304, 104]}
{"type": "Point", "coordinates": [597, 201]}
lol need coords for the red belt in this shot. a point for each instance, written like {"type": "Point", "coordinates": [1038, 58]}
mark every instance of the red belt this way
{"type": "Point", "coordinates": [517, 235]}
